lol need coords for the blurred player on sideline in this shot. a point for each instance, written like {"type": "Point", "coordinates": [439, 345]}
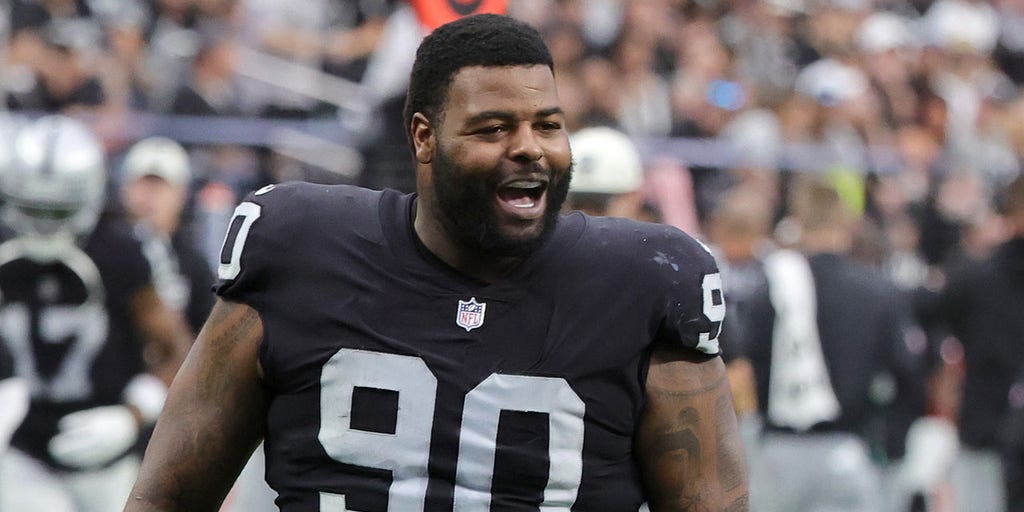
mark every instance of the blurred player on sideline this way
{"type": "Point", "coordinates": [14, 392]}
{"type": "Point", "coordinates": [75, 294]}
{"type": "Point", "coordinates": [608, 174]}
{"type": "Point", "coordinates": [156, 174]}
{"type": "Point", "coordinates": [835, 351]}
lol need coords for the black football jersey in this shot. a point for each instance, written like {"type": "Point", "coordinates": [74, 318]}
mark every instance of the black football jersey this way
{"type": "Point", "coordinates": [6, 363]}
{"type": "Point", "coordinates": [400, 384]}
{"type": "Point", "coordinates": [68, 328]}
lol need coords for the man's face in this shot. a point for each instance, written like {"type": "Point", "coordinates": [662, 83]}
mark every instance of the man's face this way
{"type": "Point", "coordinates": [155, 201]}
{"type": "Point", "coordinates": [501, 166]}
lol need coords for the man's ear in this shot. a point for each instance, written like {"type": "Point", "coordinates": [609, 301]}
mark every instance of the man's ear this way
{"type": "Point", "coordinates": [423, 138]}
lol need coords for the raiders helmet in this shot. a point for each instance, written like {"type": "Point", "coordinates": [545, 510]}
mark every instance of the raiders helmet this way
{"type": "Point", "coordinates": [54, 181]}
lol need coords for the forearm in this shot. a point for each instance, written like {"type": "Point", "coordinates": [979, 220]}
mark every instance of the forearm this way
{"type": "Point", "coordinates": [688, 444]}
{"type": "Point", "coordinates": [166, 334]}
{"type": "Point", "coordinates": [211, 422]}
{"type": "Point", "coordinates": [187, 470]}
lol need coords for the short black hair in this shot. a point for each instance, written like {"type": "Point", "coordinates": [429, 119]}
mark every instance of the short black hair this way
{"type": "Point", "coordinates": [480, 40]}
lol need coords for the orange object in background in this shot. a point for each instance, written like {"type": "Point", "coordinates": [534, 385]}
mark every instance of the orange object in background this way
{"type": "Point", "coordinates": [434, 13]}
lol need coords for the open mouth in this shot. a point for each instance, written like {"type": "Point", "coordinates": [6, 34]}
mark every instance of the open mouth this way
{"type": "Point", "coordinates": [522, 194]}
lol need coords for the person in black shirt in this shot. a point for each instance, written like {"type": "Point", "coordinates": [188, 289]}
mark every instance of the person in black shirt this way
{"type": "Point", "coordinates": [156, 175]}
{"type": "Point", "coordinates": [983, 306]}
{"type": "Point", "coordinates": [62, 78]}
{"type": "Point", "coordinates": [462, 348]}
{"type": "Point", "coordinates": [834, 348]}
{"type": "Point", "coordinates": [1012, 447]}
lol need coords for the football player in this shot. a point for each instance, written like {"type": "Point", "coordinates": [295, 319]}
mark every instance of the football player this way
{"type": "Point", "coordinates": [75, 292]}
{"type": "Point", "coordinates": [13, 390]}
{"type": "Point", "coordinates": [463, 348]}
{"type": "Point", "coordinates": [13, 396]}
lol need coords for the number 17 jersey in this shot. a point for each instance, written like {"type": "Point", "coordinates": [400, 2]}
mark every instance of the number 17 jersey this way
{"type": "Point", "coordinates": [399, 384]}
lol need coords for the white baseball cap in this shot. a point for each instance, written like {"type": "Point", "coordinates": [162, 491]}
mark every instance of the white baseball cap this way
{"type": "Point", "coordinates": [830, 82]}
{"type": "Point", "coordinates": [884, 31]}
{"type": "Point", "coordinates": [956, 25]}
{"type": "Point", "coordinates": [158, 156]}
{"type": "Point", "coordinates": [606, 162]}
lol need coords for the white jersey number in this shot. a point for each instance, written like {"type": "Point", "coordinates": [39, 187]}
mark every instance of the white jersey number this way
{"type": "Point", "coordinates": [405, 453]}
{"type": "Point", "coordinates": [85, 325]}
{"type": "Point", "coordinates": [234, 240]}
{"type": "Point", "coordinates": [714, 311]}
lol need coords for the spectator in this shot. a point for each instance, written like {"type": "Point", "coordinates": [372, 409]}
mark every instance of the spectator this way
{"type": "Point", "coordinates": [171, 47]}
{"type": "Point", "coordinates": [738, 233]}
{"type": "Point", "coordinates": [338, 37]}
{"type": "Point", "coordinates": [645, 97]}
{"type": "Point", "coordinates": [888, 54]}
{"type": "Point", "coordinates": [212, 89]}
{"type": "Point", "coordinates": [981, 304]}
{"type": "Point", "coordinates": [55, 67]}
{"type": "Point", "coordinates": [156, 179]}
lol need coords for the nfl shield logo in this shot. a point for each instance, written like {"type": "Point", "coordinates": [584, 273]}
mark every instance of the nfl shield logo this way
{"type": "Point", "coordinates": [470, 314]}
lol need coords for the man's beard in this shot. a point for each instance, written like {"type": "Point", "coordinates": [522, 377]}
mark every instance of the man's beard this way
{"type": "Point", "coordinates": [468, 213]}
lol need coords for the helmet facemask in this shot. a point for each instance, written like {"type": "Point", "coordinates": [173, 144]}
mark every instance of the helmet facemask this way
{"type": "Point", "coordinates": [53, 188]}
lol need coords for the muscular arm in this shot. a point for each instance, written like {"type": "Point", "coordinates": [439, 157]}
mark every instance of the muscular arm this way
{"type": "Point", "coordinates": [688, 444]}
{"type": "Point", "coordinates": [165, 333]}
{"type": "Point", "coordinates": [212, 420]}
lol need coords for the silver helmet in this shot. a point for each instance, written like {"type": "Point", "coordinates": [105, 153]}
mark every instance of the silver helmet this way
{"type": "Point", "coordinates": [54, 182]}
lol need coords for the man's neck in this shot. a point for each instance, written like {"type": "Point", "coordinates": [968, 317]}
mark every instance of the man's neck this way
{"type": "Point", "coordinates": [483, 267]}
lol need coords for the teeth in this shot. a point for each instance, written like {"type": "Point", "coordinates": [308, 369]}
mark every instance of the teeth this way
{"type": "Point", "coordinates": [524, 184]}
{"type": "Point", "coordinates": [527, 205]}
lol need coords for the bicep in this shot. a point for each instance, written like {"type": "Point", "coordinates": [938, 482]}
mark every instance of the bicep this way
{"type": "Point", "coordinates": [212, 419]}
{"type": "Point", "coordinates": [688, 443]}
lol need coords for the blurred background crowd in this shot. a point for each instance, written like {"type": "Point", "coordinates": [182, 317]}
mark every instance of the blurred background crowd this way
{"type": "Point", "coordinates": [909, 110]}
{"type": "Point", "coordinates": [919, 101]}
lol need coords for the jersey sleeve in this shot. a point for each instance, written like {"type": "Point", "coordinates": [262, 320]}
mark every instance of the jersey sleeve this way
{"type": "Point", "coordinates": [690, 301]}
{"type": "Point", "coordinates": [6, 363]}
{"type": "Point", "coordinates": [257, 240]}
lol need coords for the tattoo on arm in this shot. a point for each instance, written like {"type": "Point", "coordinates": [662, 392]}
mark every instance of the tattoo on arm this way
{"type": "Point", "coordinates": [682, 448]}
{"type": "Point", "coordinates": [688, 442]}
